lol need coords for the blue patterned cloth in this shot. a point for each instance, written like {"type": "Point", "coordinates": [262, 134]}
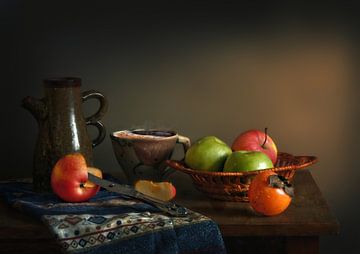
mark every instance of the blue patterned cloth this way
{"type": "Point", "coordinates": [110, 223]}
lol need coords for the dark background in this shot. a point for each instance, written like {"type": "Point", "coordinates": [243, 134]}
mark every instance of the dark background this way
{"type": "Point", "coordinates": [201, 69]}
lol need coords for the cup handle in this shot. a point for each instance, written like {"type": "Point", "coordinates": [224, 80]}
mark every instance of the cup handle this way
{"type": "Point", "coordinates": [186, 143]}
{"type": "Point", "coordinates": [95, 118]}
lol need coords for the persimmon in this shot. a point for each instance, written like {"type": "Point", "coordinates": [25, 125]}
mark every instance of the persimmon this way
{"type": "Point", "coordinates": [269, 193]}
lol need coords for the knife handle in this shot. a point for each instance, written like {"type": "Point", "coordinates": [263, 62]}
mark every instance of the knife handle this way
{"type": "Point", "coordinates": [167, 207]}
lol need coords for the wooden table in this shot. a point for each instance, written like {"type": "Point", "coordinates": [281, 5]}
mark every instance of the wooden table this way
{"type": "Point", "coordinates": [297, 230]}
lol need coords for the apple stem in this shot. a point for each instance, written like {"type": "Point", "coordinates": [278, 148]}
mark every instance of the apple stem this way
{"type": "Point", "coordinates": [82, 185]}
{"type": "Point", "coordinates": [265, 138]}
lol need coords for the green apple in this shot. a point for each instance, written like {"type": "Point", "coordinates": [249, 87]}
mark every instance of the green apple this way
{"type": "Point", "coordinates": [208, 153]}
{"type": "Point", "coordinates": [247, 161]}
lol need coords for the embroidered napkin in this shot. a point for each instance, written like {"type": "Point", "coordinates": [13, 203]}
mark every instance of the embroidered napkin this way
{"type": "Point", "coordinates": [111, 223]}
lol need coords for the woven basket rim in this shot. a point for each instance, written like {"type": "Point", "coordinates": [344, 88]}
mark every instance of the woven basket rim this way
{"type": "Point", "coordinates": [308, 160]}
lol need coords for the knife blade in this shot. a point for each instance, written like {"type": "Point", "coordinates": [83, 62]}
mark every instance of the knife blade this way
{"type": "Point", "coordinates": [168, 207]}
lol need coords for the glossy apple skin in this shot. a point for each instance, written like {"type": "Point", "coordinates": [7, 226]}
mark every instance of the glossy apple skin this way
{"type": "Point", "coordinates": [69, 179]}
{"type": "Point", "coordinates": [208, 154]}
{"type": "Point", "coordinates": [247, 161]}
{"type": "Point", "coordinates": [252, 140]}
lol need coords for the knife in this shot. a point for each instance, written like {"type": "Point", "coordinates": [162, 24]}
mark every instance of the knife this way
{"type": "Point", "coordinates": [168, 207]}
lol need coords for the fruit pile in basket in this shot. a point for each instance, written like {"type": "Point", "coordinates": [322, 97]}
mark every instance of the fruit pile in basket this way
{"type": "Point", "coordinates": [251, 170]}
{"type": "Point", "coordinates": [251, 150]}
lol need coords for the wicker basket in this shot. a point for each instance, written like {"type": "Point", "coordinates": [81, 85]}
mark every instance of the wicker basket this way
{"type": "Point", "coordinates": [233, 186]}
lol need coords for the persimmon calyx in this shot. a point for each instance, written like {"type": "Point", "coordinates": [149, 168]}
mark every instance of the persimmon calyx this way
{"type": "Point", "coordinates": [278, 181]}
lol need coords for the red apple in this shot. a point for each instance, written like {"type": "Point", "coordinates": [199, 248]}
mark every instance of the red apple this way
{"type": "Point", "coordinates": [161, 190]}
{"type": "Point", "coordinates": [69, 179]}
{"type": "Point", "coordinates": [255, 140]}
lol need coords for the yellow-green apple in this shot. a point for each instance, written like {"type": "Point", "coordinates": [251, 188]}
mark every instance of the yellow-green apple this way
{"type": "Point", "coordinates": [255, 140]}
{"type": "Point", "coordinates": [161, 190]}
{"type": "Point", "coordinates": [69, 178]}
{"type": "Point", "coordinates": [247, 161]}
{"type": "Point", "coordinates": [208, 153]}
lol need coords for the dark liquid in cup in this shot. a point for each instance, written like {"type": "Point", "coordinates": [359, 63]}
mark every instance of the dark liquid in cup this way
{"type": "Point", "coordinates": [154, 133]}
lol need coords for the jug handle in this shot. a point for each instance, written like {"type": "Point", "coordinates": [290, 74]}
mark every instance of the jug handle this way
{"type": "Point", "coordinates": [94, 119]}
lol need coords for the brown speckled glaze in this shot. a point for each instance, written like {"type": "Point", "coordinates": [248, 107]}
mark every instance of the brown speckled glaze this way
{"type": "Point", "coordinates": [62, 126]}
{"type": "Point", "coordinates": [144, 155]}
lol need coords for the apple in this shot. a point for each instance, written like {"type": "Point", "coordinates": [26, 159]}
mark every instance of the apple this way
{"type": "Point", "coordinates": [208, 153]}
{"type": "Point", "coordinates": [247, 161]}
{"type": "Point", "coordinates": [164, 191]}
{"type": "Point", "coordinates": [255, 140]}
{"type": "Point", "coordinates": [69, 179]}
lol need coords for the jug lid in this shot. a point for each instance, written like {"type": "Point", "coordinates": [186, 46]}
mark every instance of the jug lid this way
{"type": "Point", "coordinates": [62, 82]}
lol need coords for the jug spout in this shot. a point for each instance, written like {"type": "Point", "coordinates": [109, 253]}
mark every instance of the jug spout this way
{"type": "Point", "coordinates": [37, 107]}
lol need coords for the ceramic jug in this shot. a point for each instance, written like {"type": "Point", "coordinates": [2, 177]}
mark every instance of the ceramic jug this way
{"type": "Point", "coordinates": [62, 126]}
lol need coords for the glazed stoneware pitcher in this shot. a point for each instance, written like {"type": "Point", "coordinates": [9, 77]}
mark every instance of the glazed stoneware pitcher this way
{"type": "Point", "coordinates": [62, 126]}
